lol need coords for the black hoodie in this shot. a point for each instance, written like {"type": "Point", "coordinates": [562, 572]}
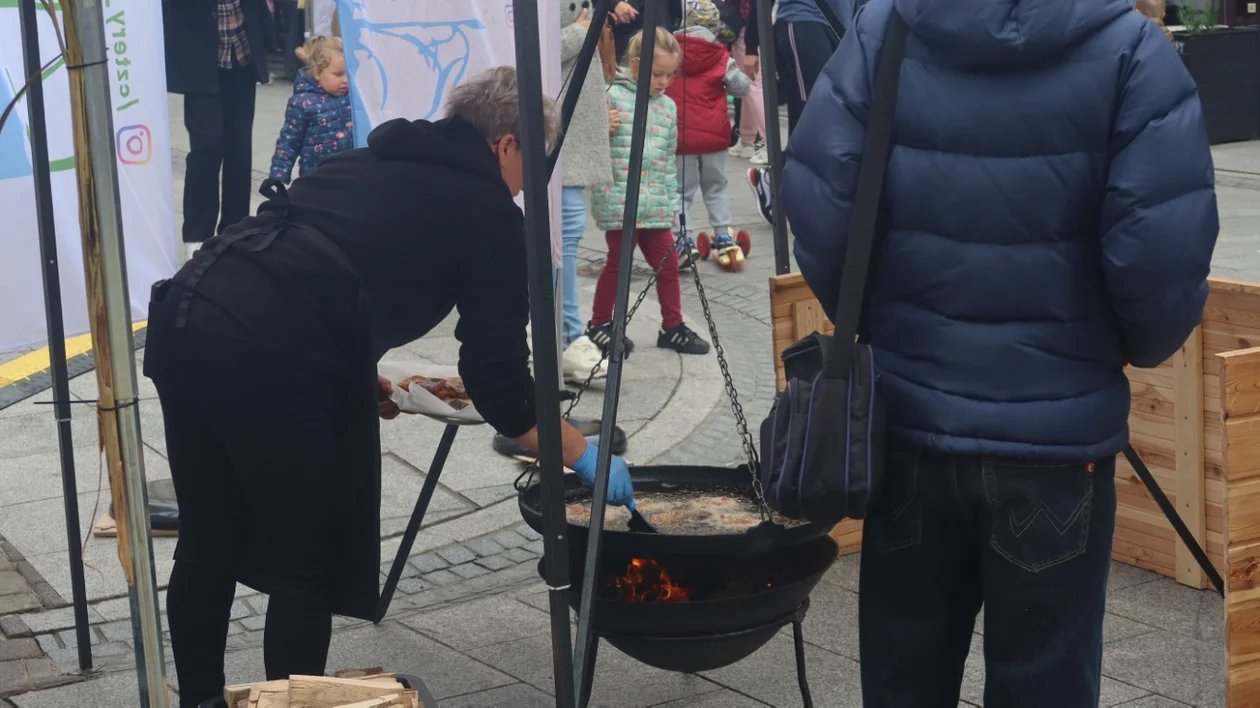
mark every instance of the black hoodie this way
{"type": "Point", "coordinates": [426, 218]}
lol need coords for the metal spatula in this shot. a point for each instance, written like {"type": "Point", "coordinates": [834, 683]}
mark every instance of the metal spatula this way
{"type": "Point", "coordinates": [639, 523]}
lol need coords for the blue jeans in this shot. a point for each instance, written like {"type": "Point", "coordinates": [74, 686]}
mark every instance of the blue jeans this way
{"type": "Point", "coordinates": [1031, 541]}
{"type": "Point", "coordinates": [572, 223]}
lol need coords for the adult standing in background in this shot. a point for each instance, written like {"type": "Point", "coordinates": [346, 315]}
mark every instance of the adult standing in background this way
{"type": "Point", "coordinates": [752, 110]}
{"type": "Point", "coordinates": [585, 161]}
{"type": "Point", "coordinates": [803, 40]}
{"type": "Point", "coordinates": [216, 55]}
{"type": "Point", "coordinates": [627, 17]}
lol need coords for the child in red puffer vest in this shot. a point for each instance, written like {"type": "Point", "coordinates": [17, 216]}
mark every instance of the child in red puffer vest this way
{"type": "Point", "coordinates": [707, 74]}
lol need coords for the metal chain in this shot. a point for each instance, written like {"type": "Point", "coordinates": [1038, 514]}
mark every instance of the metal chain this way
{"type": "Point", "coordinates": [741, 421]}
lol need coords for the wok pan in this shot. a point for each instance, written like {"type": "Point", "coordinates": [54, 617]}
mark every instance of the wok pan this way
{"type": "Point", "coordinates": [721, 481]}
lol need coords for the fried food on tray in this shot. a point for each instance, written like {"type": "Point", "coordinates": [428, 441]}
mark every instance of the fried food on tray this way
{"type": "Point", "coordinates": [451, 390]}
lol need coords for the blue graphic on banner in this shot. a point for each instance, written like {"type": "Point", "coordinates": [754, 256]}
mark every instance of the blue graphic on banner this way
{"type": "Point", "coordinates": [13, 160]}
{"type": "Point", "coordinates": [441, 56]}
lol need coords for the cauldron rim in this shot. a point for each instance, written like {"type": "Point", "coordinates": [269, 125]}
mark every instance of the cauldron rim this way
{"type": "Point", "coordinates": [758, 540]}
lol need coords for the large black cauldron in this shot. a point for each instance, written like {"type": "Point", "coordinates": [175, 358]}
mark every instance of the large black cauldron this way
{"type": "Point", "coordinates": [706, 634]}
{"type": "Point", "coordinates": [718, 480]}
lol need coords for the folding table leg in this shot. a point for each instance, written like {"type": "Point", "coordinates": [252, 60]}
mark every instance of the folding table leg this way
{"type": "Point", "coordinates": [417, 518]}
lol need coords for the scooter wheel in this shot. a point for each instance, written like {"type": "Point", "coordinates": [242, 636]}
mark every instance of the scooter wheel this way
{"type": "Point", "coordinates": [704, 244]}
{"type": "Point", "coordinates": [744, 241]}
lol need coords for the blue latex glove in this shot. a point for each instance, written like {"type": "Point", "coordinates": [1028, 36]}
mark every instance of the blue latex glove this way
{"type": "Point", "coordinates": [620, 491]}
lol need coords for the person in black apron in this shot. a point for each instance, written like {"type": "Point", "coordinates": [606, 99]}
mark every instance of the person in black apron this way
{"type": "Point", "coordinates": [263, 349]}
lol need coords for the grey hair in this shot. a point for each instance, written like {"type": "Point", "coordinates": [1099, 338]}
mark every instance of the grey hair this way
{"type": "Point", "coordinates": [490, 101]}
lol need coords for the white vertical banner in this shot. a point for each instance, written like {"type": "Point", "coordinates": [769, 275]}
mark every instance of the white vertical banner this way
{"type": "Point", "coordinates": [404, 57]}
{"type": "Point", "coordinates": [133, 38]}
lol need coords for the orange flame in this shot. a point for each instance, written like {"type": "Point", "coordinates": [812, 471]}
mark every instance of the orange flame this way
{"type": "Point", "coordinates": [648, 581]}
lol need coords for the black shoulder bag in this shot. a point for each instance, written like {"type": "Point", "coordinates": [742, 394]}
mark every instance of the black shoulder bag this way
{"type": "Point", "coordinates": [822, 446]}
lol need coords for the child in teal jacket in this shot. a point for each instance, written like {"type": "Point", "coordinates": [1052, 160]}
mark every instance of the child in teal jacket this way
{"type": "Point", "coordinates": [659, 203]}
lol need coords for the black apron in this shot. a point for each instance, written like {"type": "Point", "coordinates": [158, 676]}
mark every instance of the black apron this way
{"type": "Point", "coordinates": [356, 559]}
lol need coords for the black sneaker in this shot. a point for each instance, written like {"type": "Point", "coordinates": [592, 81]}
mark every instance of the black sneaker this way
{"type": "Point", "coordinates": [602, 336]}
{"type": "Point", "coordinates": [682, 340]}
{"type": "Point", "coordinates": [759, 181]}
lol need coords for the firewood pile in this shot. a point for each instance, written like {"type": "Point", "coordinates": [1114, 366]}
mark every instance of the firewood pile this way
{"type": "Point", "coordinates": [367, 688]}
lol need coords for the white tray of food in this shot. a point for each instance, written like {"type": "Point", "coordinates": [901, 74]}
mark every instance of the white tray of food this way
{"type": "Point", "coordinates": [430, 390]}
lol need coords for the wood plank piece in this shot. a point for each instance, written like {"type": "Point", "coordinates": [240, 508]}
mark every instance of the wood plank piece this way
{"type": "Point", "coordinates": [1188, 404]}
{"type": "Point", "coordinates": [319, 691]}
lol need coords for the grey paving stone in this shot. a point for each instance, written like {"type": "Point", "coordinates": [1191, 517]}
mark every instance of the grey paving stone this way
{"type": "Point", "coordinates": [48, 642]}
{"type": "Point", "coordinates": [517, 695]}
{"type": "Point", "coordinates": [528, 533]}
{"type": "Point", "coordinates": [468, 570]}
{"type": "Point", "coordinates": [1153, 701]}
{"type": "Point", "coordinates": [255, 623]}
{"type": "Point", "coordinates": [14, 649]}
{"type": "Point", "coordinates": [721, 698]}
{"type": "Point", "coordinates": [411, 586]}
{"type": "Point", "coordinates": [240, 610]}
{"type": "Point", "coordinates": [116, 631]}
{"type": "Point", "coordinates": [12, 583]}
{"type": "Point", "coordinates": [14, 627]}
{"type": "Point", "coordinates": [832, 620]}
{"type": "Point", "coordinates": [237, 627]}
{"type": "Point", "coordinates": [1169, 664]}
{"type": "Point", "coordinates": [109, 610]}
{"type": "Point", "coordinates": [441, 577]}
{"type": "Point", "coordinates": [844, 572]}
{"type": "Point", "coordinates": [763, 675]}
{"type": "Point", "coordinates": [456, 555]}
{"type": "Point", "coordinates": [535, 547]}
{"type": "Point", "coordinates": [396, 648]}
{"type": "Point", "coordinates": [111, 649]}
{"type": "Point", "coordinates": [480, 623]}
{"type": "Point", "coordinates": [19, 602]}
{"type": "Point", "coordinates": [484, 547]}
{"type": "Point", "coordinates": [520, 555]}
{"type": "Point", "coordinates": [114, 689]}
{"type": "Point", "coordinates": [619, 680]}
{"type": "Point", "coordinates": [258, 603]}
{"type": "Point", "coordinates": [510, 539]}
{"type": "Point", "coordinates": [428, 562]}
{"type": "Point", "coordinates": [1165, 603]}
{"type": "Point", "coordinates": [498, 562]}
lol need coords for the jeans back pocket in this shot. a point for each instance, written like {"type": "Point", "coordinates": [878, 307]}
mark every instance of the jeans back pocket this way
{"type": "Point", "coordinates": [1039, 510]}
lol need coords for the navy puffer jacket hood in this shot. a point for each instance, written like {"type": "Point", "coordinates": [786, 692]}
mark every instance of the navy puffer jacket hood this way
{"type": "Point", "coordinates": [1048, 214]}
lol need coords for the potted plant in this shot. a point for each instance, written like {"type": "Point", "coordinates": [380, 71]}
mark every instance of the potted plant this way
{"type": "Point", "coordinates": [1225, 64]}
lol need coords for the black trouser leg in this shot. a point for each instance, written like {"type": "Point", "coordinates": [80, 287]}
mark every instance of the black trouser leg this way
{"type": "Point", "coordinates": [919, 587]}
{"type": "Point", "coordinates": [238, 86]}
{"type": "Point", "coordinates": [297, 635]}
{"type": "Point", "coordinates": [198, 607]}
{"type": "Point", "coordinates": [803, 49]}
{"type": "Point", "coordinates": [203, 117]}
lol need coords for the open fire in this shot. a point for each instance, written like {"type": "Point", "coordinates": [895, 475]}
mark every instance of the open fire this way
{"type": "Point", "coordinates": [648, 581]}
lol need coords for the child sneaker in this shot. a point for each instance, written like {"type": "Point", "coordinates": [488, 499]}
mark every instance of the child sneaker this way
{"type": "Point", "coordinates": [602, 337]}
{"type": "Point", "coordinates": [688, 254]}
{"type": "Point", "coordinates": [682, 340]}
{"type": "Point", "coordinates": [759, 181]}
{"type": "Point", "coordinates": [741, 151]}
{"type": "Point", "coordinates": [579, 358]}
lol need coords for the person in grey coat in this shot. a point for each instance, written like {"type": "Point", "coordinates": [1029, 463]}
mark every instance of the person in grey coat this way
{"type": "Point", "coordinates": [585, 161]}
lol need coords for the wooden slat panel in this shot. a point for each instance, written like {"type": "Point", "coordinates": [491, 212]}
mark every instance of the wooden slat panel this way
{"type": "Point", "coordinates": [1242, 453]}
{"type": "Point", "coordinates": [1242, 633]}
{"type": "Point", "coordinates": [1242, 685]}
{"type": "Point", "coordinates": [1240, 386]}
{"type": "Point", "coordinates": [807, 318]}
{"type": "Point", "coordinates": [1243, 579]}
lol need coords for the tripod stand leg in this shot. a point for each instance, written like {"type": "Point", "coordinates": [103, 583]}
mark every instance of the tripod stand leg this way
{"type": "Point", "coordinates": [589, 678]}
{"type": "Point", "coordinates": [798, 638]}
{"type": "Point", "coordinates": [417, 518]}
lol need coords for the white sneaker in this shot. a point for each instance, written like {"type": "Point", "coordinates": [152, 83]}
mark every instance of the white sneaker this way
{"type": "Point", "coordinates": [759, 157]}
{"type": "Point", "coordinates": [741, 151]}
{"type": "Point", "coordinates": [579, 358]}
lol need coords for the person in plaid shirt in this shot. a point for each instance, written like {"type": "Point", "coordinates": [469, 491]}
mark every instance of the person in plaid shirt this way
{"type": "Point", "coordinates": [216, 54]}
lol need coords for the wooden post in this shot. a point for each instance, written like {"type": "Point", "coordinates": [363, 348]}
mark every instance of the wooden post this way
{"type": "Point", "coordinates": [1240, 404]}
{"type": "Point", "coordinates": [1188, 427]}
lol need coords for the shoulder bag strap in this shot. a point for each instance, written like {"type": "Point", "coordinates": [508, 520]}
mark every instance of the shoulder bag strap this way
{"type": "Point", "coordinates": [870, 184]}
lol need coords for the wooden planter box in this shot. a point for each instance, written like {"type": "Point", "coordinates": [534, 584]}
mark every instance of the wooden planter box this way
{"type": "Point", "coordinates": [1225, 65]}
{"type": "Point", "coordinates": [1175, 425]}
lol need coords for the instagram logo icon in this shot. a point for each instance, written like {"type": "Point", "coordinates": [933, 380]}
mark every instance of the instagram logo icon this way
{"type": "Point", "coordinates": [135, 144]}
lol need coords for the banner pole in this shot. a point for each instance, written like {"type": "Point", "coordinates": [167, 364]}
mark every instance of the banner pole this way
{"type": "Point", "coordinates": [29, 18]}
{"type": "Point", "coordinates": [109, 312]}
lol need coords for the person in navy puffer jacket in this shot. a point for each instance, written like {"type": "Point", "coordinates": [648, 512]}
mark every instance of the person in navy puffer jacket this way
{"type": "Point", "coordinates": [1048, 216]}
{"type": "Point", "coordinates": [318, 122]}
